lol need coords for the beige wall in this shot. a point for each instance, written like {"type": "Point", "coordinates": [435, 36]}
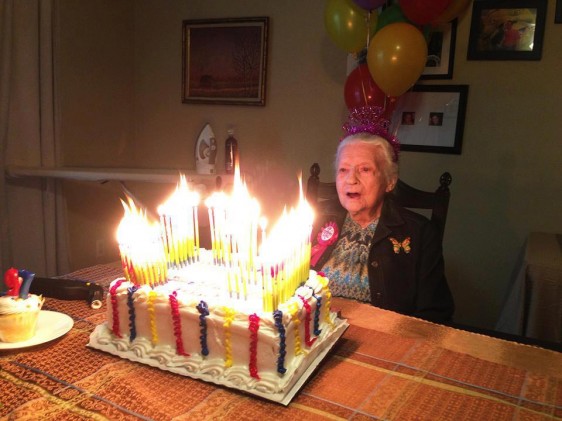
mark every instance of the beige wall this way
{"type": "Point", "coordinates": [119, 90]}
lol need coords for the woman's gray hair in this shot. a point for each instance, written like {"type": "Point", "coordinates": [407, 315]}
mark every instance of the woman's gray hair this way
{"type": "Point", "coordinates": [383, 153]}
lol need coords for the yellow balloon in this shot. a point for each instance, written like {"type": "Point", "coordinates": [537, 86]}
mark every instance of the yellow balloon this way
{"type": "Point", "coordinates": [348, 25]}
{"type": "Point", "coordinates": [455, 9]}
{"type": "Point", "coordinates": [396, 57]}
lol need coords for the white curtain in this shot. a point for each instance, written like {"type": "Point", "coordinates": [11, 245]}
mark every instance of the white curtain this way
{"type": "Point", "coordinates": [33, 210]}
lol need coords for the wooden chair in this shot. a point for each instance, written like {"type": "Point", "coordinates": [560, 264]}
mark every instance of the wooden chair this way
{"type": "Point", "coordinates": [324, 198]}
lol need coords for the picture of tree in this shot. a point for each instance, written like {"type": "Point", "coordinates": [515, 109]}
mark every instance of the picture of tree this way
{"type": "Point", "coordinates": [224, 61]}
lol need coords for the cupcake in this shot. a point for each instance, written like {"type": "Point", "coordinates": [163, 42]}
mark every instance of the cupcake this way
{"type": "Point", "coordinates": [19, 310]}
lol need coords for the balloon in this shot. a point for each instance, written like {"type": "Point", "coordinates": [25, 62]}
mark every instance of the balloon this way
{"type": "Point", "coordinates": [361, 90]}
{"type": "Point", "coordinates": [422, 12]}
{"type": "Point", "coordinates": [369, 4]}
{"type": "Point", "coordinates": [392, 14]}
{"type": "Point", "coordinates": [346, 24]}
{"type": "Point", "coordinates": [456, 8]}
{"type": "Point", "coordinates": [396, 57]}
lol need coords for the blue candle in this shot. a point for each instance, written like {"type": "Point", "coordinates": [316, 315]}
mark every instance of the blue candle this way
{"type": "Point", "coordinates": [27, 278]}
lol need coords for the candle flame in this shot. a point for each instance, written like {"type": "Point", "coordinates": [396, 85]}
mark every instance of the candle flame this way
{"type": "Point", "coordinates": [271, 263]}
{"type": "Point", "coordinates": [140, 245]}
{"type": "Point", "coordinates": [180, 226]}
{"type": "Point", "coordinates": [135, 223]}
{"type": "Point", "coordinates": [183, 197]}
{"type": "Point", "coordinates": [301, 192]}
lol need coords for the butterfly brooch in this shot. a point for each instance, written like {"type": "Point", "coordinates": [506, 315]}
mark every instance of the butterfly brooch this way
{"type": "Point", "coordinates": [397, 245]}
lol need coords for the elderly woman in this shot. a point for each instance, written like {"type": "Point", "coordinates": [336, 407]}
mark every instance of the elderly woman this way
{"type": "Point", "coordinates": [372, 249]}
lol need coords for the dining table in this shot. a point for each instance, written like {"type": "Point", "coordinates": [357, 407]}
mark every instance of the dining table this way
{"type": "Point", "coordinates": [386, 366]}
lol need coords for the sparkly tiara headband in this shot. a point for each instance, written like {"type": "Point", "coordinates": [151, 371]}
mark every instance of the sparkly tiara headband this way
{"type": "Point", "coordinates": [370, 120]}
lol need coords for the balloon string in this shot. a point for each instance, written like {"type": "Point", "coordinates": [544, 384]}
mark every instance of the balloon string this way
{"type": "Point", "coordinates": [368, 27]}
{"type": "Point", "coordinates": [363, 87]}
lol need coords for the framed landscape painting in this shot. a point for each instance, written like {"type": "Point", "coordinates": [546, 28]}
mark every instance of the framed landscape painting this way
{"type": "Point", "coordinates": [225, 61]}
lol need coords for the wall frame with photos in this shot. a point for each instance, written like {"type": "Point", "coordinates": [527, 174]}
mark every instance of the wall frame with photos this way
{"type": "Point", "coordinates": [507, 30]}
{"type": "Point", "coordinates": [225, 61]}
{"type": "Point", "coordinates": [441, 51]}
{"type": "Point", "coordinates": [558, 12]}
{"type": "Point", "coordinates": [430, 118]}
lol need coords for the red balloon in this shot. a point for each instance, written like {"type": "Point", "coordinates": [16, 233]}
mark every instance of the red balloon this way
{"type": "Point", "coordinates": [369, 4]}
{"type": "Point", "coordinates": [423, 12]}
{"type": "Point", "coordinates": [456, 8]}
{"type": "Point", "coordinates": [361, 90]}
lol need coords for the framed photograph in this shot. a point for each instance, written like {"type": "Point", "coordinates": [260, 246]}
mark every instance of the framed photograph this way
{"type": "Point", "coordinates": [225, 61]}
{"type": "Point", "coordinates": [507, 30]}
{"type": "Point", "coordinates": [440, 51]}
{"type": "Point", "coordinates": [430, 118]}
{"type": "Point", "coordinates": [558, 12]}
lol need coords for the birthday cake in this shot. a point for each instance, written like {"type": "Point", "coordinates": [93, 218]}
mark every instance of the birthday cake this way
{"type": "Point", "coordinates": [252, 318]}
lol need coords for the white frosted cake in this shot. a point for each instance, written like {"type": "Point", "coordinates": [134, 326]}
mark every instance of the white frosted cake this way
{"type": "Point", "coordinates": [263, 354]}
{"type": "Point", "coordinates": [248, 314]}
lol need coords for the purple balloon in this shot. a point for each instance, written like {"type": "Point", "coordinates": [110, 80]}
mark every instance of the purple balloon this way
{"type": "Point", "coordinates": [369, 4]}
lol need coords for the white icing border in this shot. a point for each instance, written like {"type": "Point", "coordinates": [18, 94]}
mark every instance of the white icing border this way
{"type": "Point", "coordinates": [143, 352]}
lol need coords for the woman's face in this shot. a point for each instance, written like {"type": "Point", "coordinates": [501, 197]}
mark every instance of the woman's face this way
{"type": "Point", "coordinates": [361, 185]}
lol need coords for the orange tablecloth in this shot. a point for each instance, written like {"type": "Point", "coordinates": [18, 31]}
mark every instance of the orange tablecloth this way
{"type": "Point", "coordinates": [386, 366]}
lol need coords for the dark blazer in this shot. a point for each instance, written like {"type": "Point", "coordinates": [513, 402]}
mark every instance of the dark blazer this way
{"type": "Point", "coordinates": [410, 283]}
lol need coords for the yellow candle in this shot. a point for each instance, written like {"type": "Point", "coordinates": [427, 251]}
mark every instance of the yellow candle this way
{"type": "Point", "coordinates": [196, 223]}
{"type": "Point", "coordinates": [212, 227]}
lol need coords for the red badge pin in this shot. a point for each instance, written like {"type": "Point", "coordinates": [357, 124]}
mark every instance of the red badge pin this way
{"type": "Point", "coordinates": [327, 236]}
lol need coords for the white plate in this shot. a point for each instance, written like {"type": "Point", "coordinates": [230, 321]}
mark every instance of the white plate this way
{"type": "Point", "coordinates": [50, 325]}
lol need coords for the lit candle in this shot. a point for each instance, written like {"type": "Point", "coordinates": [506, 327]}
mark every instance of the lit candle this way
{"type": "Point", "coordinates": [263, 225]}
{"type": "Point", "coordinates": [196, 223]}
{"type": "Point", "coordinates": [141, 246]}
{"type": "Point", "coordinates": [273, 264]}
{"type": "Point", "coordinates": [177, 220]}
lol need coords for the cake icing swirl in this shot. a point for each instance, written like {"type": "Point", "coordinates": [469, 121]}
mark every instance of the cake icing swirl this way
{"type": "Point", "coordinates": [13, 305]}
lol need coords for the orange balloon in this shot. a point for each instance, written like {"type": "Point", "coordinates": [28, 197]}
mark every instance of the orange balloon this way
{"type": "Point", "coordinates": [396, 57]}
{"type": "Point", "coordinates": [455, 9]}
